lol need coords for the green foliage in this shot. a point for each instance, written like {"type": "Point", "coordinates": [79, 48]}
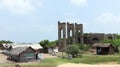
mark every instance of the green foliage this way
{"type": "Point", "coordinates": [5, 41]}
{"type": "Point", "coordinates": [73, 50]}
{"type": "Point", "coordinates": [115, 42]}
{"type": "Point", "coordinates": [69, 40]}
{"type": "Point", "coordinates": [107, 41]}
{"type": "Point", "coordinates": [52, 44]}
{"type": "Point", "coordinates": [87, 34]}
{"type": "Point", "coordinates": [118, 36]}
{"type": "Point", "coordinates": [44, 43]}
{"type": "Point", "coordinates": [93, 59]}
{"type": "Point", "coordinates": [47, 44]}
{"type": "Point", "coordinates": [84, 47]}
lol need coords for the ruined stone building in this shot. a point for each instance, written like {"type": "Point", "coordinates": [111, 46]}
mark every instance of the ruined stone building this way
{"type": "Point", "coordinates": [72, 31]}
{"type": "Point", "coordinates": [91, 38]}
{"type": "Point", "coordinates": [69, 33]}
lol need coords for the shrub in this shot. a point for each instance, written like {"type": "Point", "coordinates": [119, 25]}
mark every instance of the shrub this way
{"type": "Point", "coordinates": [84, 47]}
{"type": "Point", "coordinates": [73, 50]}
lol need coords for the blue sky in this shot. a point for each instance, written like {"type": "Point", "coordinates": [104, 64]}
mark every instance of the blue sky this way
{"type": "Point", "coordinates": [36, 20]}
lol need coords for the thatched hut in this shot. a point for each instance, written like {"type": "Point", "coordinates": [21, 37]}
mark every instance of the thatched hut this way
{"type": "Point", "coordinates": [104, 48]}
{"type": "Point", "coordinates": [22, 54]}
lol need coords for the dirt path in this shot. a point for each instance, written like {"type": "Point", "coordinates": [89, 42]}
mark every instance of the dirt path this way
{"type": "Point", "coordinates": [87, 65]}
{"type": "Point", "coordinates": [48, 56]}
{"type": "Point", "coordinates": [3, 58]}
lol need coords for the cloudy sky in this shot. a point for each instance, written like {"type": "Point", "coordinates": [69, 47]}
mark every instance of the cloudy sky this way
{"type": "Point", "coordinates": [36, 20]}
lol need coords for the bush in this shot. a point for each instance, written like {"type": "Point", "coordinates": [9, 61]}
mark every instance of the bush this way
{"type": "Point", "coordinates": [73, 50]}
{"type": "Point", "coordinates": [84, 47]}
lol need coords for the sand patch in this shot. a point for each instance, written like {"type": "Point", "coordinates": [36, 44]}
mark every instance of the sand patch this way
{"type": "Point", "coordinates": [88, 65]}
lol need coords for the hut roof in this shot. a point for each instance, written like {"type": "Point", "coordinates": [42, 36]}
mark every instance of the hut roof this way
{"type": "Point", "coordinates": [102, 45]}
{"type": "Point", "coordinates": [14, 45]}
{"type": "Point", "coordinates": [34, 46]}
{"type": "Point", "coordinates": [18, 50]}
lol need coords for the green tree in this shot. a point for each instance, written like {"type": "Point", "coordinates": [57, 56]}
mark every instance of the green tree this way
{"type": "Point", "coordinates": [52, 44]}
{"type": "Point", "coordinates": [73, 50]}
{"type": "Point", "coordinates": [84, 47]}
{"type": "Point", "coordinates": [115, 42]}
{"type": "Point", "coordinates": [5, 41]}
{"type": "Point", "coordinates": [47, 44]}
{"type": "Point", "coordinates": [44, 44]}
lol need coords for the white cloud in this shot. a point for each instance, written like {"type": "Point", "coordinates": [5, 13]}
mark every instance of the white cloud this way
{"type": "Point", "coordinates": [108, 18]}
{"type": "Point", "coordinates": [107, 22]}
{"type": "Point", "coordinates": [19, 6]}
{"type": "Point", "coordinates": [79, 2]}
{"type": "Point", "coordinates": [70, 17]}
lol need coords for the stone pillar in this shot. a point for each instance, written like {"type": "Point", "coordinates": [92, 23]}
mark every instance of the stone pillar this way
{"type": "Point", "coordinates": [77, 28]}
{"type": "Point", "coordinates": [59, 34]}
{"type": "Point", "coordinates": [61, 42]}
{"type": "Point", "coordinates": [64, 36]}
{"type": "Point", "coordinates": [73, 35]}
{"type": "Point", "coordinates": [69, 28]}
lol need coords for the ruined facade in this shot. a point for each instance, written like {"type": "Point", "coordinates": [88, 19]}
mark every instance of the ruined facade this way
{"type": "Point", "coordinates": [72, 34]}
{"type": "Point", "coordinates": [91, 38]}
{"type": "Point", "coordinates": [69, 33]}
{"type": "Point", "coordinates": [79, 33]}
{"type": "Point", "coordinates": [61, 35]}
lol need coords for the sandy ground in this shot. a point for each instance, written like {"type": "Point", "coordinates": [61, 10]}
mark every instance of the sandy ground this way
{"type": "Point", "coordinates": [47, 56]}
{"type": "Point", "coordinates": [87, 65]}
{"type": "Point", "coordinates": [3, 58]}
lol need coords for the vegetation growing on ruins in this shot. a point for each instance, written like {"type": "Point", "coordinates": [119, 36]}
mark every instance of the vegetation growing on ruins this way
{"type": "Point", "coordinates": [84, 47]}
{"type": "Point", "coordinates": [115, 42]}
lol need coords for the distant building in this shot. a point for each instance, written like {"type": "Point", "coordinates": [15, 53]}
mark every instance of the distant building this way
{"type": "Point", "coordinates": [104, 48]}
{"type": "Point", "coordinates": [21, 54]}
